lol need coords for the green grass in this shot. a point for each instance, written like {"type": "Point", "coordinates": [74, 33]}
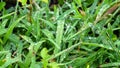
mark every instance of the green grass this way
{"type": "Point", "coordinates": [76, 34]}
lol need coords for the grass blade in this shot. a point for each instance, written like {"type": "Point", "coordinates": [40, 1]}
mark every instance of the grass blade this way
{"type": "Point", "coordinates": [59, 32]}
{"type": "Point", "coordinates": [115, 64]}
{"type": "Point", "coordinates": [10, 29]}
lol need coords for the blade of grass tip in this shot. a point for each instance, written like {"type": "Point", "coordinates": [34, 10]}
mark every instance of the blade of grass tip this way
{"type": "Point", "coordinates": [50, 37]}
{"type": "Point", "coordinates": [4, 16]}
{"type": "Point", "coordinates": [27, 39]}
{"type": "Point", "coordinates": [80, 31]}
{"type": "Point", "coordinates": [65, 14]}
{"type": "Point", "coordinates": [48, 23]}
{"type": "Point", "coordinates": [110, 64]}
{"type": "Point", "coordinates": [37, 45]}
{"type": "Point", "coordinates": [64, 51]}
{"type": "Point", "coordinates": [52, 41]}
{"type": "Point", "coordinates": [98, 45]}
{"type": "Point", "coordinates": [48, 33]}
{"type": "Point", "coordinates": [70, 28]}
{"type": "Point", "coordinates": [59, 32]}
{"type": "Point", "coordinates": [116, 29]}
{"type": "Point", "coordinates": [102, 46]}
{"type": "Point", "coordinates": [10, 29]}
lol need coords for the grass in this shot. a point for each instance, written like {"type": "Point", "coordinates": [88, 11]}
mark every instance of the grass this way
{"type": "Point", "coordinates": [76, 34]}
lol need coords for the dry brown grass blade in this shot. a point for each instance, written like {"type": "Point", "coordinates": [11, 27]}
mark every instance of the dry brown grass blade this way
{"type": "Point", "coordinates": [110, 10]}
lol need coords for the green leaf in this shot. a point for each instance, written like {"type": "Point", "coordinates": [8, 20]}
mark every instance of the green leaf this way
{"type": "Point", "coordinates": [65, 14]}
{"type": "Point", "coordinates": [79, 62]}
{"type": "Point", "coordinates": [59, 32]}
{"type": "Point", "coordinates": [14, 38]}
{"type": "Point", "coordinates": [48, 23]}
{"type": "Point", "coordinates": [2, 31]}
{"type": "Point", "coordinates": [53, 65]}
{"type": "Point", "coordinates": [10, 61]}
{"type": "Point", "coordinates": [10, 29]}
{"type": "Point", "coordinates": [46, 1]}
{"type": "Point", "coordinates": [27, 39]}
{"type": "Point", "coordinates": [4, 16]}
{"type": "Point", "coordinates": [29, 56]}
{"type": "Point", "coordinates": [23, 2]}
{"type": "Point", "coordinates": [78, 2]}
{"type": "Point", "coordinates": [45, 56]}
{"type": "Point", "coordinates": [110, 64]}
{"type": "Point", "coordinates": [2, 4]}
{"type": "Point", "coordinates": [37, 45]}
{"type": "Point", "coordinates": [83, 28]}
{"type": "Point", "coordinates": [61, 2]}
{"type": "Point", "coordinates": [77, 13]}
{"type": "Point", "coordinates": [48, 33]}
{"type": "Point", "coordinates": [44, 53]}
{"type": "Point", "coordinates": [59, 35]}
{"type": "Point", "coordinates": [53, 42]}
{"type": "Point", "coordinates": [64, 51]}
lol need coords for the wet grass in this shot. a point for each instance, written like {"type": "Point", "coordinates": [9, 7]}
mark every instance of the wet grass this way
{"type": "Point", "coordinates": [76, 34]}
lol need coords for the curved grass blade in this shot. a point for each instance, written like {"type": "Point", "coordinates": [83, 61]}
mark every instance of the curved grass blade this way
{"type": "Point", "coordinates": [59, 32]}
{"type": "Point", "coordinates": [4, 16]}
{"type": "Point", "coordinates": [10, 29]}
{"type": "Point", "coordinates": [114, 64]}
